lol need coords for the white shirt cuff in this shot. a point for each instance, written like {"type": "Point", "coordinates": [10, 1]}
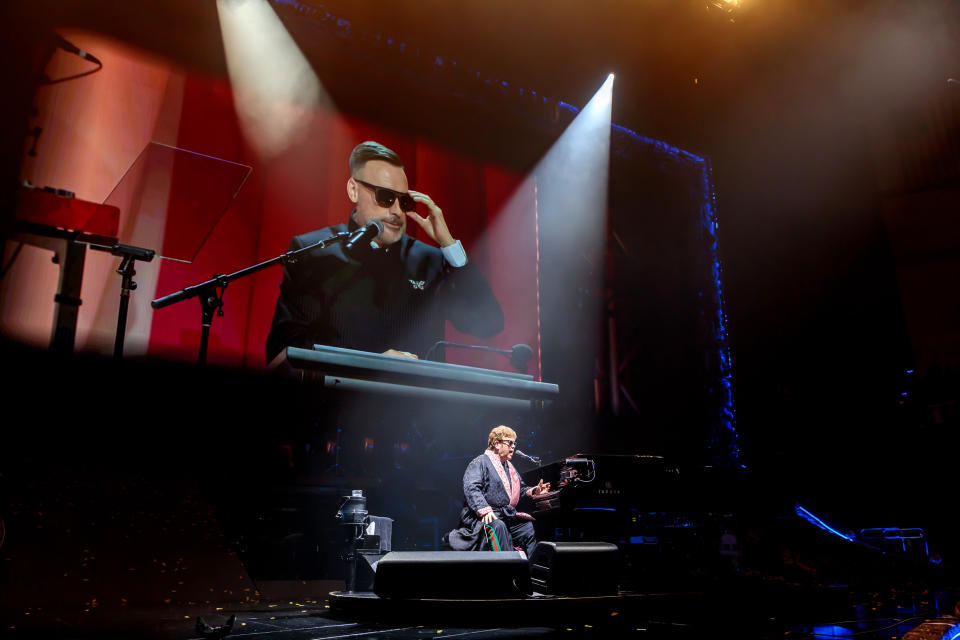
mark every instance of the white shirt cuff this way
{"type": "Point", "coordinates": [455, 254]}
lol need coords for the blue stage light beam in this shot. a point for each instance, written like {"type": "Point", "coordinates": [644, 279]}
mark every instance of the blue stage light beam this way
{"type": "Point", "coordinates": [817, 522]}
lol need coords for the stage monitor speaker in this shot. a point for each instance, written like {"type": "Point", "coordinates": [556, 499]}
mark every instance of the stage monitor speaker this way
{"type": "Point", "coordinates": [453, 575]}
{"type": "Point", "coordinates": [575, 568]}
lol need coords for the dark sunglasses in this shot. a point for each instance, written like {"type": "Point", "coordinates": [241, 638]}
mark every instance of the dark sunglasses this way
{"type": "Point", "coordinates": [385, 197]}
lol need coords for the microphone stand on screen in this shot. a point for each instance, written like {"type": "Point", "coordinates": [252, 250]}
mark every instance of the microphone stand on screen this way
{"type": "Point", "coordinates": [520, 355]}
{"type": "Point", "coordinates": [210, 293]}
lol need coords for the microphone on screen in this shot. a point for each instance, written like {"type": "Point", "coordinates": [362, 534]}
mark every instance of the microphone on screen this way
{"type": "Point", "coordinates": [363, 237]}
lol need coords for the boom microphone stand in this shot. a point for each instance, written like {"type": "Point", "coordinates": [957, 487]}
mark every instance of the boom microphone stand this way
{"type": "Point", "coordinates": [210, 293]}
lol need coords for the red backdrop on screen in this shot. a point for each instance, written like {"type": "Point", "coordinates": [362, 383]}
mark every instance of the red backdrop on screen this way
{"type": "Point", "coordinates": [491, 210]}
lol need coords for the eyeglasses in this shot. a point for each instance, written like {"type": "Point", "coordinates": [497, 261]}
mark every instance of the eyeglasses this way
{"type": "Point", "coordinates": [509, 443]}
{"type": "Point", "coordinates": [385, 197]}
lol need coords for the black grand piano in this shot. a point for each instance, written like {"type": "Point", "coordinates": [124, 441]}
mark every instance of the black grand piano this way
{"type": "Point", "coordinates": [634, 484]}
{"type": "Point", "coordinates": [666, 518]}
{"type": "Point", "coordinates": [608, 482]}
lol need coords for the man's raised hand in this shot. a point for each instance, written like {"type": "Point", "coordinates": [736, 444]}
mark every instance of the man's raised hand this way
{"type": "Point", "coordinates": [401, 354]}
{"type": "Point", "coordinates": [542, 487]}
{"type": "Point", "coordinates": [433, 224]}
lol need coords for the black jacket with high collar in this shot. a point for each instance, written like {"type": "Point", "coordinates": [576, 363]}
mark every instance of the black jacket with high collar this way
{"type": "Point", "coordinates": [398, 297]}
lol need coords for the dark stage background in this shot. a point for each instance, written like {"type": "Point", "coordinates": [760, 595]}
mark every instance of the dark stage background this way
{"type": "Point", "coordinates": [832, 136]}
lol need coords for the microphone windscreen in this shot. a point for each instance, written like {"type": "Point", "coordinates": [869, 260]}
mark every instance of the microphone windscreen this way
{"type": "Point", "coordinates": [360, 240]}
{"type": "Point", "coordinates": [520, 355]}
{"type": "Point", "coordinates": [522, 351]}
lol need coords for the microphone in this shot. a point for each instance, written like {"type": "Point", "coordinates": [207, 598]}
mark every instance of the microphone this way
{"type": "Point", "coordinates": [520, 356]}
{"type": "Point", "coordinates": [69, 47]}
{"type": "Point", "coordinates": [364, 236]}
{"type": "Point", "coordinates": [533, 459]}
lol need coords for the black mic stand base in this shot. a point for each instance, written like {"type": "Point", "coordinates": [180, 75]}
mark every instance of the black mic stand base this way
{"type": "Point", "coordinates": [130, 255]}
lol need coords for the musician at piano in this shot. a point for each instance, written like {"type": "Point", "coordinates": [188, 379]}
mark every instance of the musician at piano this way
{"type": "Point", "coordinates": [492, 489]}
{"type": "Point", "coordinates": [395, 299]}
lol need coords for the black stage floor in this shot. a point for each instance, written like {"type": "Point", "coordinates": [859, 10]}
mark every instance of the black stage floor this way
{"type": "Point", "coordinates": [108, 537]}
{"type": "Point", "coordinates": [678, 615]}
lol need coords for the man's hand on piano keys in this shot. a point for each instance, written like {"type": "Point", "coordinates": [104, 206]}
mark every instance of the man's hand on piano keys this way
{"type": "Point", "coordinates": [401, 354]}
{"type": "Point", "coordinates": [542, 487]}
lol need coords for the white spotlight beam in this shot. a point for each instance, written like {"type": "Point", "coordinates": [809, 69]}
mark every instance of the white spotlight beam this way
{"type": "Point", "coordinates": [572, 188]}
{"type": "Point", "coordinates": [573, 178]}
{"type": "Point", "coordinates": [275, 89]}
{"type": "Point", "coordinates": [564, 201]}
